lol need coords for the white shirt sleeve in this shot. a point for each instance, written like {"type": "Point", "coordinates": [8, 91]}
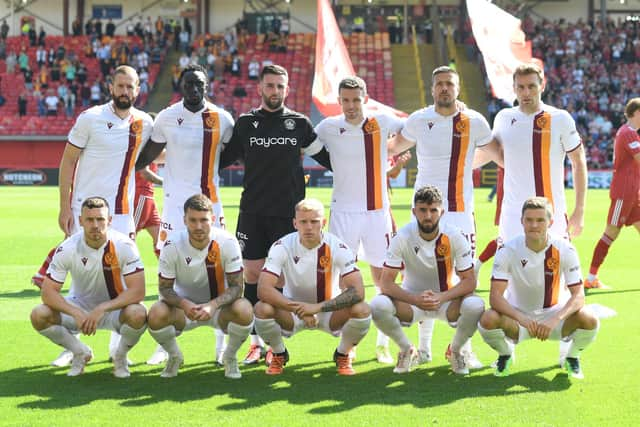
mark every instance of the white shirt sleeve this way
{"type": "Point", "coordinates": [463, 259]}
{"type": "Point", "coordinates": [228, 131]}
{"type": "Point", "coordinates": [79, 133]}
{"type": "Point", "coordinates": [167, 261]}
{"type": "Point", "coordinates": [570, 265]}
{"type": "Point", "coordinates": [345, 261]}
{"type": "Point", "coordinates": [482, 130]}
{"type": "Point", "coordinates": [59, 266]}
{"type": "Point", "coordinates": [570, 137]}
{"type": "Point", "coordinates": [130, 260]}
{"type": "Point", "coordinates": [394, 258]}
{"type": "Point", "coordinates": [232, 255]}
{"type": "Point", "coordinates": [502, 265]}
{"type": "Point", "coordinates": [410, 130]}
{"type": "Point", "coordinates": [157, 135]}
{"type": "Point", "coordinates": [276, 259]}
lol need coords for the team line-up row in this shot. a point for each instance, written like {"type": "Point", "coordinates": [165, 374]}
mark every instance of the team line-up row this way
{"type": "Point", "coordinates": [530, 141]}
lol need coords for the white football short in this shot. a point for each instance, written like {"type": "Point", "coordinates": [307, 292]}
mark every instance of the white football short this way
{"type": "Point", "coordinates": [323, 325]}
{"type": "Point", "coordinates": [372, 229]}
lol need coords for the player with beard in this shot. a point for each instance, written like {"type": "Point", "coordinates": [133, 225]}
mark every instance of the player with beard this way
{"type": "Point", "coordinates": [99, 160]}
{"type": "Point", "coordinates": [429, 253]}
{"type": "Point", "coordinates": [194, 132]}
{"type": "Point", "coordinates": [270, 141]}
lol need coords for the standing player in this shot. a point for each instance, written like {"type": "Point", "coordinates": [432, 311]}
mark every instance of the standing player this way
{"type": "Point", "coordinates": [322, 289]}
{"type": "Point", "coordinates": [545, 298]}
{"type": "Point", "coordinates": [200, 284]}
{"type": "Point", "coordinates": [446, 140]}
{"type": "Point", "coordinates": [99, 159]}
{"type": "Point", "coordinates": [107, 286]}
{"type": "Point", "coordinates": [194, 132]}
{"type": "Point", "coordinates": [357, 148]}
{"type": "Point", "coordinates": [430, 253]}
{"type": "Point", "coordinates": [535, 139]}
{"type": "Point", "coordinates": [624, 191]}
{"type": "Point", "coordinates": [270, 141]}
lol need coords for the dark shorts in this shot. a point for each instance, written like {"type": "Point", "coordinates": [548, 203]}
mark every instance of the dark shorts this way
{"type": "Point", "coordinates": [256, 233]}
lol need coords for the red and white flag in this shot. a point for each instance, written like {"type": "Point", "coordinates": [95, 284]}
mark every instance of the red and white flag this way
{"type": "Point", "coordinates": [502, 43]}
{"type": "Point", "coordinates": [332, 65]}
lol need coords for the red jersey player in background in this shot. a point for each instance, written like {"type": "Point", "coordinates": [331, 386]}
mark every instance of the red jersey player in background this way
{"type": "Point", "coordinates": [624, 191]}
{"type": "Point", "coordinates": [145, 211]}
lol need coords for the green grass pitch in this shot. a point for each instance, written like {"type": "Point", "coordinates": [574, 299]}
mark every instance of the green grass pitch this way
{"type": "Point", "coordinates": [537, 393]}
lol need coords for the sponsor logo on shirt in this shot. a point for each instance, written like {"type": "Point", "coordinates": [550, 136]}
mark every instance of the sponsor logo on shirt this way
{"type": "Point", "coordinates": [269, 141]}
{"type": "Point", "coordinates": [634, 145]}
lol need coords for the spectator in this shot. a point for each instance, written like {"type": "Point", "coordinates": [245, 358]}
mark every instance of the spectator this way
{"type": "Point", "coordinates": [236, 66]}
{"type": "Point", "coordinates": [254, 69]}
{"type": "Point", "coordinates": [69, 103]}
{"type": "Point", "coordinates": [52, 102]}
{"type": "Point", "coordinates": [85, 94]}
{"type": "Point", "coordinates": [70, 72]}
{"type": "Point", "coordinates": [28, 78]}
{"type": "Point", "coordinates": [81, 74]}
{"type": "Point", "coordinates": [130, 29]}
{"type": "Point", "coordinates": [22, 104]}
{"type": "Point", "coordinates": [41, 56]}
{"type": "Point", "coordinates": [39, 98]}
{"type": "Point", "coordinates": [41, 37]}
{"type": "Point", "coordinates": [96, 93]}
{"type": "Point", "coordinates": [33, 38]}
{"type": "Point", "coordinates": [3, 48]}
{"type": "Point", "coordinates": [110, 29]}
{"type": "Point", "coordinates": [55, 71]}
{"type": "Point", "coordinates": [76, 27]}
{"type": "Point", "coordinates": [11, 62]}
{"type": "Point", "coordinates": [23, 60]}
{"type": "Point", "coordinates": [4, 29]}
{"type": "Point", "coordinates": [97, 27]}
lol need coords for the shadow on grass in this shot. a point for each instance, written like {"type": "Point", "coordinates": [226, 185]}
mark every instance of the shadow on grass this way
{"type": "Point", "coordinates": [604, 292]}
{"type": "Point", "coordinates": [25, 293]}
{"type": "Point", "coordinates": [315, 384]}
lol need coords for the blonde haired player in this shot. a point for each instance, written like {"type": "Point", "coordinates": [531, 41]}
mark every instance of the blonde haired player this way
{"type": "Point", "coordinates": [322, 289]}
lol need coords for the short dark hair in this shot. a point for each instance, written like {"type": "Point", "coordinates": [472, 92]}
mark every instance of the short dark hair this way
{"type": "Point", "coordinates": [198, 202]}
{"type": "Point", "coordinates": [442, 70]}
{"type": "Point", "coordinates": [538, 202]}
{"type": "Point", "coordinates": [353, 82]}
{"type": "Point", "coordinates": [95, 202]}
{"type": "Point", "coordinates": [193, 68]}
{"type": "Point", "coordinates": [632, 106]}
{"type": "Point", "coordinates": [274, 69]}
{"type": "Point", "coordinates": [427, 194]}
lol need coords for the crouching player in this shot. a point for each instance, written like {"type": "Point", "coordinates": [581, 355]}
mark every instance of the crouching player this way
{"type": "Point", "coordinates": [107, 286]}
{"type": "Point", "coordinates": [322, 289]}
{"type": "Point", "coordinates": [545, 298]}
{"type": "Point", "coordinates": [200, 284]}
{"type": "Point", "coordinates": [430, 253]}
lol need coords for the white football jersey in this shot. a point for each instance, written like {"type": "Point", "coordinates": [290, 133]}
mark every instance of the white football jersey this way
{"type": "Point", "coordinates": [110, 147]}
{"type": "Point", "coordinates": [200, 274]}
{"type": "Point", "coordinates": [310, 275]}
{"type": "Point", "coordinates": [97, 275]}
{"type": "Point", "coordinates": [194, 143]}
{"type": "Point", "coordinates": [359, 160]}
{"type": "Point", "coordinates": [537, 280]}
{"type": "Point", "coordinates": [445, 147]}
{"type": "Point", "coordinates": [429, 265]}
{"type": "Point", "coordinates": [535, 146]}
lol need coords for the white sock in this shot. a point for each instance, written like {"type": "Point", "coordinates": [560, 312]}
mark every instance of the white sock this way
{"type": "Point", "coordinates": [114, 341]}
{"type": "Point", "coordinates": [425, 334]}
{"type": "Point", "coordinates": [220, 345]}
{"type": "Point", "coordinates": [257, 340]}
{"type": "Point", "coordinates": [470, 311]}
{"type": "Point", "coordinates": [352, 332]}
{"type": "Point", "coordinates": [166, 337]}
{"type": "Point", "coordinates": [497, 340]}
{"type": "Point", "coordinates": [61, 336]}
{"type": "Point", "coordinates": [271, 332]}
{"type": "Point", "coordinates": [129, 337]}
{"type": "Point", "coordinates": [382, 340]}
{"type": "Point", "coordinates": [237, 335]}
{"type": "Point", "coordinates": [581, 338]}
{"type": "Point", "coordinates": [384, 317]}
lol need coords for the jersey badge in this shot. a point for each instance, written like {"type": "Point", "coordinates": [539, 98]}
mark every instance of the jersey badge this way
{"type": "Point", "coordinates": [416, 249]}
{"type": "Point", "coordinates": [513, 121]}
{"type": "Point", "coordinates": [342, 246]}
{"type": "Point", "coordinates": [442, 250]}
{"type": "Point", "coordinates": [289, 124]}
{"type": "Point", "coordinates": [342, 130]}
{"type": "Point", "coordinates": [180, 120]}
{"type": "Point", "coordinates": [430, 124]}
{"type": "Point", "coordinates": [210, 122]}
{"type": "Point", "coordinates": [523, 262]}
{"type": "Point", "coordinates": [541, 121]}
{"type": "Point", "coordinates": [59, 249]}
{"type": "Point", "coordinates": [255, 124]}
{"type": "Point", "coordinates": [324, 261]}
{"type": "Point", "coordinates": [552, 263]}
{"type": "Point", "coordinates": [187, 259]}
{"type": "Point", "coordinates": [296, 258]}
{"type": "Point", "coordinates": [84, 260]}
{"type": "Point", "coordinates": [109, 125]}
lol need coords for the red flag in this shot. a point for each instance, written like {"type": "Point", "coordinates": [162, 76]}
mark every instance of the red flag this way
{"type": "Point", "coordinates": [502, 44]}
{"type": "Point", "coordinates": [332, 65]}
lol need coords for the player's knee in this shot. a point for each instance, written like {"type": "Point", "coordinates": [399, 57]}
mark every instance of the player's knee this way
{"type": "Point", "coordinates": [490, 319]}
{"type": "Point", "coordinates": [242, 311]}
{"type": "Point", "coordinates": [159, 315]}
{"type": "Point", "coordinates": [135, 315]}
{"type": "Point", "coordinates": [40, 317]}
{"type": "Point", "coordinates": [473, 305]}
{"type": "Point", "coordinates": [587, 320]}
{"type": "Point", "coordinates": [381, 305]}
{"type": "Point", "coordinates": [264, 310]}
{"type": "Point", "coordinates": [360, 310]}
